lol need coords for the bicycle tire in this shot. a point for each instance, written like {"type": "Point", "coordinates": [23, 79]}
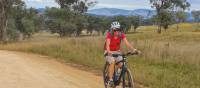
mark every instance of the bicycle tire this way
{"type": "Point", "coordinates": [128, 80]}
{"type": "Point", "coordinates": [105, 75]}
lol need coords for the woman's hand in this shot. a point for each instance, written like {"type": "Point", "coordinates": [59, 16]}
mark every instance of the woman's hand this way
{"type": "Point", "coordinates": [136, 51]}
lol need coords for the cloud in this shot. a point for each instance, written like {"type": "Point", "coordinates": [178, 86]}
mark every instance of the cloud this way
{"type": "Point", "coordinates": [122, 4]}
{"type": "Point", "coordinates": [194, 4]}
{"type": "Point", "coordinates": [114, 6]}
{"type": "Point", "coordinates": [39, 0]}
{"type": "Point", "coordinates": [40, 3]}
{"type": "Point", "coordinates": [135, 4]}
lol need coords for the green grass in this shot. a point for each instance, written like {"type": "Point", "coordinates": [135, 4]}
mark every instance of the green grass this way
{"type": "Point", "coordinates": [169, 60]}
{"type": "Point", "coordinates": [165, 74]}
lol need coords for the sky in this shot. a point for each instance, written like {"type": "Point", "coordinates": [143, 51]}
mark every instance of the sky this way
{"type": "Point", "coordinates": [121, 4]}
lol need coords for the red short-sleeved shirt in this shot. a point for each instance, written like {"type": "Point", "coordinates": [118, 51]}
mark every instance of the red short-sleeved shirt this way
{"type": "Point", "coordinates": [114, 41]}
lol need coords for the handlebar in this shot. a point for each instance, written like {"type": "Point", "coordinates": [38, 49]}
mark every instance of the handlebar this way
{"type": "Point", "coordinates": [123, 55]}
{"type": "Point", "coordinates": [126, 54]}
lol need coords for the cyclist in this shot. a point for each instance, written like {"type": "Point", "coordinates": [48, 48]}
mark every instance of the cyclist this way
{"type": "Point", "coordinates": [112, 46]}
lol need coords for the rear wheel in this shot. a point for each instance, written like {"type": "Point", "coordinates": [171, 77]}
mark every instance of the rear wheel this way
{"type": "Point", "coordinates": [128, 80]}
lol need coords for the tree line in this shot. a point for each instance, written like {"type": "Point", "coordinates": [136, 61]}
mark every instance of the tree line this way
{"type": "Point", "coordinates": [17, 21]}
{"type": "Point", "coordinates": [71, 19]}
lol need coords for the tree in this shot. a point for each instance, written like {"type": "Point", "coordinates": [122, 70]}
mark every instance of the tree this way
{"type": "Point", "coordinates": [196, 16]}
{"type": "Point", "coordinates": [5, 11]}
{"type": "Point", "coordinates": [105, 24]}
{"type": "Point", "coordinates": [150, 21]}
{"type": "Point", "coordinates": [164, 7]}
{"type": "Point", "coordinates": [124, 22]}
{"type": "Point", "coordinates": [181, 16]}
{"type": "Point", "coordinates": [167, 19]}
{"type": "Point", "coordinates": [60, 21]}
{"type": "Point", "coordinates": [67, 4]}
{"type": "Point", "coordinates": [93, 24]}
{"type": "Point", "coordinates": [81, 23]}
{"type": "Point", "coordinates": [69, 19]}
{"type": "Point", "coordinates": [98, 23]}
{"type": "Point", "coordinates": [27, 21]}
{"type": "Point", "coordinates": [15, 24]}
{"type": "Point", "coordinates": [31, 23]}
{"type": "Point", "coordinates": [16, 20]}
{"type": "Point", "coordinates": [135, 21]}
{"type": "Point", "coordinates": [75, 5]}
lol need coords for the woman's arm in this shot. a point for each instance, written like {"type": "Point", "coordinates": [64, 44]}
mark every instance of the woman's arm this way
{"type": "Point", "coordinates": [128, 45]}
{"type": "Point", "coordinates": [108, 46]}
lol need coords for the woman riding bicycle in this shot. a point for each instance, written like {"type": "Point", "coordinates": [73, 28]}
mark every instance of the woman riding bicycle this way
{"type": "Point", "coordinates": [112, 46]}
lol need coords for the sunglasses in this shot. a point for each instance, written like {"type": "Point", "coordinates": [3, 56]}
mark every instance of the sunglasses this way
{"type": "Point", "coordinates": [116, 29]}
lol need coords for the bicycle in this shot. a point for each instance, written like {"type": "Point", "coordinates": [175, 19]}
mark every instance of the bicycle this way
{"type": "Point", "coordinates": [124, 75]}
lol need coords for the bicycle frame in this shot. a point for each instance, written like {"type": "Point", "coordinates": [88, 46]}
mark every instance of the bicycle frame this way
{"type": "Point", "coordinates": [123, 71]}
{"type": "Point", "coordinates": [122, 75]}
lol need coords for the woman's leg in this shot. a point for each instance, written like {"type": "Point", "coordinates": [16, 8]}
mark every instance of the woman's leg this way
{"type": "Point", "coordinates": [111, 66]}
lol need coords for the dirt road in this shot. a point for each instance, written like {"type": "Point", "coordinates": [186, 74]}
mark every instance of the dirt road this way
{"type": "Point", "coordinates": [20, 70]}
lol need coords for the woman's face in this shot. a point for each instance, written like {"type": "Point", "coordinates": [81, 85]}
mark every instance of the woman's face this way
{"type": "Point", "coordinates": [116, 29]}
{"type": "Point", "coordinates": [116, 32]}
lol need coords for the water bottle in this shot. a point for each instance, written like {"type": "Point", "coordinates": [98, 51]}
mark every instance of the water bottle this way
{"type": "Point", "coordinates": [117, 73]}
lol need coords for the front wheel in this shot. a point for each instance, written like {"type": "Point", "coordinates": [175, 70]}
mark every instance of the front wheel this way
{"type": "Point", "coordinates": [128, 80]}
{"type": "Point", "coordinates": [105, 75]}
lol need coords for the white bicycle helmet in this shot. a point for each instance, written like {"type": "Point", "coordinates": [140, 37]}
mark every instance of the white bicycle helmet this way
{"type": "Point", "coordinates": [115, 25]}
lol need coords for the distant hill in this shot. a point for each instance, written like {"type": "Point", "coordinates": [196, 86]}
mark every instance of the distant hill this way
{"type": "Point", "coordinates": [146, 13]}
{"type": "Point", "coordinates": [41, 10]}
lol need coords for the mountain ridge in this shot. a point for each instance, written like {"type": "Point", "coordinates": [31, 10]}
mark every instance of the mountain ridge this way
{"type": "Point", "coordinates": [147, 13]}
